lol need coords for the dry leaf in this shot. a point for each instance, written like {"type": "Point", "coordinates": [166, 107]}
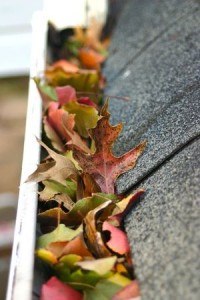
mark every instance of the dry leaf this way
{"type": "Point", "coordinates": [103, 166]}
{"type": "Point", "coordinates": [59, 170]}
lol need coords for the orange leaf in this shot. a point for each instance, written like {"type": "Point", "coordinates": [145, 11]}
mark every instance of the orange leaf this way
{"type": "Point", "coordinates": [64, 65]}
{"type": "Point", "coordinates": [90, 58]}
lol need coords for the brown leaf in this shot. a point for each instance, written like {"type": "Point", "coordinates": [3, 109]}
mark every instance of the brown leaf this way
{"type": "Point", "coordinates": [86, 186]}
{"type": "Point", "coordinates": [123, 206]}
{"type": "Point", "coordinates": [92, 229]}
{"type": "Point", "coordinates": [103, 166]}
{"type": "Point", "coordinates": [66, 200]}
{"type": "Point", "coordinates": [59, 170]}
{"type": "Point", "coordinates": [76, 246]}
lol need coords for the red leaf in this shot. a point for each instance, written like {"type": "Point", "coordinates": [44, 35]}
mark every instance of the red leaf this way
{"type": "Point", "coordinates": [129, 292]}
{"type": "Point", "coordinates": [103, 166]}
{"type": "Point", "coordinates": [65, 94]}
{"type": "Point", "coordinates": [87, 101]}
{"type": "Point", "coordinates": [55, 119]}
{"type": "Point", "coordinates": [56, 290]}
{"type": "Point", "coordinates": [118, 240]}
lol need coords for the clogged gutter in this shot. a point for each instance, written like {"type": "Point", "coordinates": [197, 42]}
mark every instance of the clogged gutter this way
{"type": "Point", "coordinates": [79, 212]}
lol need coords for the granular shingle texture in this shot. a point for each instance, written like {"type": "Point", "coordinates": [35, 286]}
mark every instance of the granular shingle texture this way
{"type": "Point", "coordinates": [155, 61]}
{"type": "Point", "coordinates": [164, 229]}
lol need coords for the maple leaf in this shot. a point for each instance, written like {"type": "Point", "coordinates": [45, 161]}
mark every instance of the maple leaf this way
{"type": "Point", "coordinates": [103, 166]}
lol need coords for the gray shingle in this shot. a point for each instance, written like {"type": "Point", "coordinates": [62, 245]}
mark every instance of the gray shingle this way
{"type": "Point", "coordinates": [155, 60]}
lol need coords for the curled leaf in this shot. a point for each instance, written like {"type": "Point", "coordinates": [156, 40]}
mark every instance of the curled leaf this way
{"type": "Point", "coordinates": [118, 241]}
{"type": "Point", "coordinates": [59, 170]}
{"type": "Point", "coordinates": [91, 232]}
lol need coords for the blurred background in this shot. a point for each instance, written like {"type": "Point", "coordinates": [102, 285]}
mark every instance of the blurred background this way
{"type": "Point", "coordinates": [15, 50]}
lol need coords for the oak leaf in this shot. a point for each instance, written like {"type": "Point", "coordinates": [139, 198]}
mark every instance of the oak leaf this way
{"type": "Point", "coordinates": [103, 166]}
{"type": "Point", "coordinates": [59, 170]}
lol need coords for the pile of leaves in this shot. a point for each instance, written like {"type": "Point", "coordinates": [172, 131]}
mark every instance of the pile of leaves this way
{"type": "Point", "coordinates": [80, 214]}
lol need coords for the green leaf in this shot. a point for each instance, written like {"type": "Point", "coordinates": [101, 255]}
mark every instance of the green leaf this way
{"type": "Point", "coordinates": [70, 260]}
{"type": "Point", "coordinates": [82, 80]}
{"type": "Point", "coordinates": [100, 266]}
{"type": "Point", "coordinates": [61, 233]}
{"type": "Point", "coordinates": [86, 116]}
{"type": "Point", "coordinates": [76, 214]}
{"type": "Point", "coordinates": [104, 290]}
{"type": "Point", "coordinates": [53, 187]}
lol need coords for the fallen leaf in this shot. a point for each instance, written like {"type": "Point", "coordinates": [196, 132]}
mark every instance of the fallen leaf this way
{"type": "Point", "coordinates": [103, 166]}
{"type": "Point", "coordinates": [64, 65]}
{"type": "Point", "coordinates": [130, 291]}
{"type": "Point", "coordinates": [65, 94]}
{"type": "Point", "coordinates": [104, 290]}
{"type": "Point", "coordinates": [92, 232]}
{"type": "Point", "coordinates": [76, 246]}
{"type": "Point", "coordinates": [60, 234]}
{"type": "Point", "coordinates": [86, 186]}
{"type": "Point", "coordinates": [91, 59]}
{"type": "Point", "coordinates": [82, 80]}
{"type": "Point", "coordinates": [52, 187]}
{"type": "Point", "coordinates": [86, 117]}
{"type": "Point", "coordinates": [71, 260]}
{"type": "Point", "coordinates": [56, 290]}
{"type": "Point", "coordinates": [101, 266]}
{"type": "Point", "coordinates": [59, 119]}
{"type": "Point", "coordinates": [59, 170]}
{"type": "Point", "coordinates": [46, 91]}
{"type": "Point", "coordinates": [123, 206]}
{"type": "Point", "coordinates": [74, 138]}
{"type": "Point", "coordinates": [56, 141]}
{"type": "Point", "coordinates": [118, 241]}
{"type": "Point", "coordinates": [119, 279]}
{"type": "Point", "coordinates": [76, 214]}
{"type": "Point", "coordinates": [46, 256]}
